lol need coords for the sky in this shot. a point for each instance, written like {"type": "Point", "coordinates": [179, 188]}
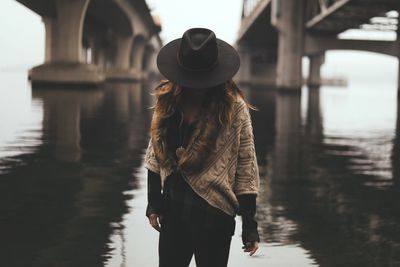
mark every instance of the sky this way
{"type": "Point", "coordinates": [22, 37]}
{"type": "Point", "coordinates": [222, 16]}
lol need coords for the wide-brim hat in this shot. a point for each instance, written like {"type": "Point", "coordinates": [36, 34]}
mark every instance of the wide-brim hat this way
{"type": "Point", "coordinates": [198, 59]}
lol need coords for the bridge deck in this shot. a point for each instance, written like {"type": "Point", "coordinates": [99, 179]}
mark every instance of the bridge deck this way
{"type": "Point", "coordinates": [349, 14]}
{"type": "Point", "coordinates": [257, 31]}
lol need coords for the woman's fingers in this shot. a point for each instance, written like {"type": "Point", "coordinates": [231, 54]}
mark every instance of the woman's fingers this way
{"type": "Point", "coordinates": [153, 219]}
{"type": "Point", "coordinates": [251, 247]}
{"type": "Point", "coordinates": [254, 249]}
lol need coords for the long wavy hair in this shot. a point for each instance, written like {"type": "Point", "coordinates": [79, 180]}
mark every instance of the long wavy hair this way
{"type": "Point", "coordinates": [216, 113]}
{"type": "Point", "coordinates": [170, 95]}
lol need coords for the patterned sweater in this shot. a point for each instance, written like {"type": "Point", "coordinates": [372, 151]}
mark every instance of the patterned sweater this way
{"type": "Point", "coordinates": [232, 168]}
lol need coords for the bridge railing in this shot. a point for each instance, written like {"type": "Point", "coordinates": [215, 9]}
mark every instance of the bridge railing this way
{"type": "Point", "coordinates": [317, 7]}
{"type": "Point", "coordinates": [249, 6]}
{"type": "Point", "coordinates": [313, 7]}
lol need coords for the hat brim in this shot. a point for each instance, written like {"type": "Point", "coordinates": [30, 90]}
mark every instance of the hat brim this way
{"type": "Point", "coordinates": [227, 66]}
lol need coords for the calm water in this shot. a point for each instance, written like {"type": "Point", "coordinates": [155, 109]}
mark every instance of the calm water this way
{"type": "Point", "coordinates": [73, 185]}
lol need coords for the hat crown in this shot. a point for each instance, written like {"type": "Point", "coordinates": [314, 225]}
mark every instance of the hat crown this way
{"type": "Point", "coordinates": [198, 50]}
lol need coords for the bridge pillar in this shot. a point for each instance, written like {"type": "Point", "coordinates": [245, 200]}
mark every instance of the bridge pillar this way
{"type": "Point", "coordinates": [122, 69]}
{"type": "Point", "coordinates": [69, 26]}
{"type": "Point", "coordinates": [50, 45]}
{"type": "Point", "coordinates": [64, 61]}
{"type": "Point", "coordinates": [290, 27]}
{"type": "Point", "coordinates": [124, 46]}
{"type": "Point", "coordinates": [257, 67]}
{"type": "Point", "coordinates": [316, 61]}
{"type": "Point", "coordinates": [138, 49]}
{"type": "Point", "coordinates": [398, 65]}
{"type": "Point", "coordinates": [398, 77]}
{"type": "Point", "coordinates": [98, 53]}
{"type": "Point", "coordinates": [244, 73]}
{"type": "Point", "coordinates": [151, 68]}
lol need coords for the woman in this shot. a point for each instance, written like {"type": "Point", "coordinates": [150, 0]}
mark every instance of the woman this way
{"type": "Point", "coordinates": [201, 160]}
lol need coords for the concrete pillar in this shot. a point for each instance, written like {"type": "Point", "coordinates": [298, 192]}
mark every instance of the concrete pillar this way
{"type": "Point", "coordinates": [316, 61]}
{"type": "Point", "coordinates": [99, 57]}
{"type": "Point", "coordinates": [64, 33]}
{"type": "Point", "coordinates": [50, 35]}
{"type": "Point", "coordinates": [124, 48]}
{"type": "Point", "coordinates": [398, 77]}
{"type": "Point", "coordinates": [290, 26]}
{"type": "Point", "coordinates": [137, 61]}
{"type": "Point", "coordinates": [398, 57]}
{"type": "Point", "coordinates": [70, 18]}
{"type": "Point", "coordinates": [119, 67]}
{"type": "Point", "coordinates": [244, 74]}
{"type": "Point", "coordinates": [84, 56]}
{"type": "Point", "coordinates": [64, 55]}
{"type": "Point", "coordinates": [99, 52]}
{"type": "Point", "coordinates": [152, 70]}
{"type": "Point", "coordinates": [137, 53]}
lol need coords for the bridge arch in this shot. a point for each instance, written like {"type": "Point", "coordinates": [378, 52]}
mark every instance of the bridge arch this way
{"type": "Point", "coordinates": [112, 15]}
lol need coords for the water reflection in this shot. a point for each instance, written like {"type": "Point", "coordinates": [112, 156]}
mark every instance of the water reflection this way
{"type": "Point", "coordinates": [313, 196]}
{"type": "Point", "coordinates": [60, 207]}
{"type": "Point", "coordinates": [287, 153]}
{"type": "Point", "coordinates": [314, 121]}
{"type": "Point", "coordinates": [77, 196]}
{"type": "Point", "coordinates": [396, 150]}
{"type": "Point", "coordinates": [62, 111]}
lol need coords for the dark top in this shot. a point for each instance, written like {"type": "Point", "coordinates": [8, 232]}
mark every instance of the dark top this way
{"type": "Point", "coordinates": [179, 199]}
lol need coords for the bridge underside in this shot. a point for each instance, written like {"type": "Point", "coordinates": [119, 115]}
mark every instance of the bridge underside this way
{"type": "Point", "coordinates": [349, 14]}
{"type": "Point", "coordinates": [45, 8]}
{"type": "Point", "coordinates": [88, 41]}
{"type": "Point", "coordinates": [270, 43]}
{"type": "Point", "coordinates": [257, 45]}
{"type": "Point", "coordinates": [257, 31]}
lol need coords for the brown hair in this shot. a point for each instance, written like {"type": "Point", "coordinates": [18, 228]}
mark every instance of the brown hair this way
{"type": "Point", "coordinates": [169, 95]}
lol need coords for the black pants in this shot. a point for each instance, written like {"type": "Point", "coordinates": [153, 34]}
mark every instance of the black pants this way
{"type": "Point", "coordinates": [179, 240]}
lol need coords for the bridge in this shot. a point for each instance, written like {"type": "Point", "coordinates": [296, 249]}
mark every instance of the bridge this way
{"type": "Point", "coordinates": [90, 41]}
{"type": "Point", "coordinates": [275, 34]}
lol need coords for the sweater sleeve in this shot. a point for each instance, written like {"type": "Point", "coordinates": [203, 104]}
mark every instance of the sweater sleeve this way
{"type": "Point", "coordinates": [247, 208]}
{"type": "Point", "coordinates": [154, 199]}
{"type": "Point", "coordinates": [247, 180]}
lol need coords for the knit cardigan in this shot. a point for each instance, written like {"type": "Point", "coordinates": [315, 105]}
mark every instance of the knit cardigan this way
{"type": "Point", "coordinates": [231, 169]}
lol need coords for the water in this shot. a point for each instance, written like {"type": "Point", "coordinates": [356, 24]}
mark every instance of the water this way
{"type": "Point", "coordinates": [73, 185]}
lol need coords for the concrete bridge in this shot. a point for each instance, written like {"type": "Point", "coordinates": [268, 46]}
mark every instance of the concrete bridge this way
{"type": "Point", "coordinates": [89, 41]}
{"type": "Point", "coordinates": [276, 34]}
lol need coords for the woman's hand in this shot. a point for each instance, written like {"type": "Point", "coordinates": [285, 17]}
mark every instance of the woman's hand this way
{"type": "Point", "coordinates": [250, 247]}
{"type": "Point", "coordinates": [155, 221]}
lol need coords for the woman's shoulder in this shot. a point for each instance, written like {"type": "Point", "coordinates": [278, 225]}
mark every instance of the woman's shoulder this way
{"type": "Point", "coordinates": [240, 111]}
{"type": "Point", "coordinates": [239, 103]}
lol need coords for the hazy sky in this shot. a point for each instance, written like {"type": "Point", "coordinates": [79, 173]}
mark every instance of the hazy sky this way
{"type": "Point", "coordinates": [222, 16]}
{"type": "Point", "coordinates": [22, 37]}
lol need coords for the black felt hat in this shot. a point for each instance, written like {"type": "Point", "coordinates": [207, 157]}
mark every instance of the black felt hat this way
{"type": "Point", "coordinates": [198, 60]}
